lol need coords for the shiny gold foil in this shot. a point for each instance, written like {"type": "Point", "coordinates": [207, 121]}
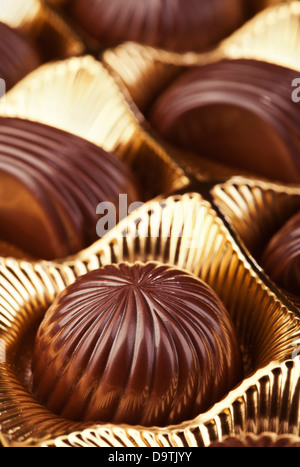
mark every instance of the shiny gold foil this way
{"type": "Point", "coordinates": [185, 231]}
{"type": "Point", "coordinates": [272, 36]}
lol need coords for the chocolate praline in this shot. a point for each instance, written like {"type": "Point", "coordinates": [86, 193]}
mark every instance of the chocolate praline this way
{"type": "Point", "coordinates": [18, 56]}
{"type": "Point", "coordinates": [236, 112]}
{"type": "Point", "coordinates": [141, 344]}
{"type": "Point", "coordinates": [51, 183]}
{"type": "Point", "coordinates": [281, 257]}
{"type": "Point", "coordinates": [170, 24]}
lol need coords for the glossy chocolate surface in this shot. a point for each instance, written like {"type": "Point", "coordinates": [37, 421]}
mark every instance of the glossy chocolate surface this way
{"type": "Point", "coordinates": [236, 112]}
{"type": "Point", "coordinates": [281, 258]}
{"type": "Point", "coordinates": [171, 24]}
{"type": "Point", "coordinates": [144, 344]}
{"type": "Point", "coordinates": [18, 56]}
{"type": "Point", "coordinates": [51, 183]}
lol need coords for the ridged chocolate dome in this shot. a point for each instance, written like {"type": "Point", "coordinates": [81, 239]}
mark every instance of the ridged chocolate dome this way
{"type": "Point", "coordinates": [18, 56]}
{"type": "Point", "coordinates": [281, 258]}
{"type": "Point", "coordinates": [171, 24]}
{"type": "Point", "coordinates": [51, 183]}
{"type": "Point", "coordinates": [139, 343]}
{"type": "Point", "coordinates": [236, 112]}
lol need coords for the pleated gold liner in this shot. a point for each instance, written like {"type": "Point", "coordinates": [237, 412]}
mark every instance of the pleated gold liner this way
{"type": "Point", "coordinates": [256, 210]}
{"type": "Point", "coordinates": [182, 230]}
{"type": "Point", "coordinates": [272, 35]}
{"type": "Point", "coordinates": [78, 95]}
{"type": "Point", "coordinates": [51, 34]}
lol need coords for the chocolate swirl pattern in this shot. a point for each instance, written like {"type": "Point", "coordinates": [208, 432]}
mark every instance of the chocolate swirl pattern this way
{"type": "Point", "coordinates": [281, 258]}
{"type": "Point", "coordinates": [169, 24]}
{"type": "Point", "coordinates": [51, 183]}
{"type": "Point", "coordinates": [141, 343]}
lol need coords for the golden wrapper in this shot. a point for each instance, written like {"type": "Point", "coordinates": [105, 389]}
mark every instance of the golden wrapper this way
{"type": "Point", "coordinates": [185, 231]}
{"type": "Point", "coordinates": [272, 36]}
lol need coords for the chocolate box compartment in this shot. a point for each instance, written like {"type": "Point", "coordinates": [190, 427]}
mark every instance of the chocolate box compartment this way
{"type": "Point", "coordinates": [256, 210]}
{"type": "Point", "coordinates": [269, 335]}
{"type": "Point", "coordinates": [267, 328]}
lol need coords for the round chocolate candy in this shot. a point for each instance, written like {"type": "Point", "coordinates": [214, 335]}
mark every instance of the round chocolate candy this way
{"type": "Point", "coordinates": [281, 257]}
{"type": "Point", "coordinates": [18, 56]}
{"type": "Point", "coordinates": [141, 343]}
{"type": "Point", "coordinates": [236, 112]}
{"type": "Point", "coordinates": [51, 183]}
{"type": "Point", "coordinates": [170, 24]}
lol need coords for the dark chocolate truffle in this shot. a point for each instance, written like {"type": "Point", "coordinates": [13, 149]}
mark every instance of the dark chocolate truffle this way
{"type": "Point", "coordinates": [236, 112]}
{"type": "Point", "coordinates": [141, 343]}
{"type": "Point", "coordinates": [264, 440]}
{"type": "Point", "coordinates": [51, 183]}
{"type": "Point", "coordinates": [281, 257]}
{"type": "Point", "coordinates": [18, 57]}
{"type": "Point", "coordinates": [170, 24]}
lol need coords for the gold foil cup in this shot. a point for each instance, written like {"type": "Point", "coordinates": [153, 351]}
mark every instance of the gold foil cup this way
{"type": "Point", "coordinates": [256, 210]}
{"type": "Point", "coordinates": [273, 35]}
{"type": "Point", "coordinates": [181, 230]}
{"type": "Point", "coordinates": [35, 20]}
